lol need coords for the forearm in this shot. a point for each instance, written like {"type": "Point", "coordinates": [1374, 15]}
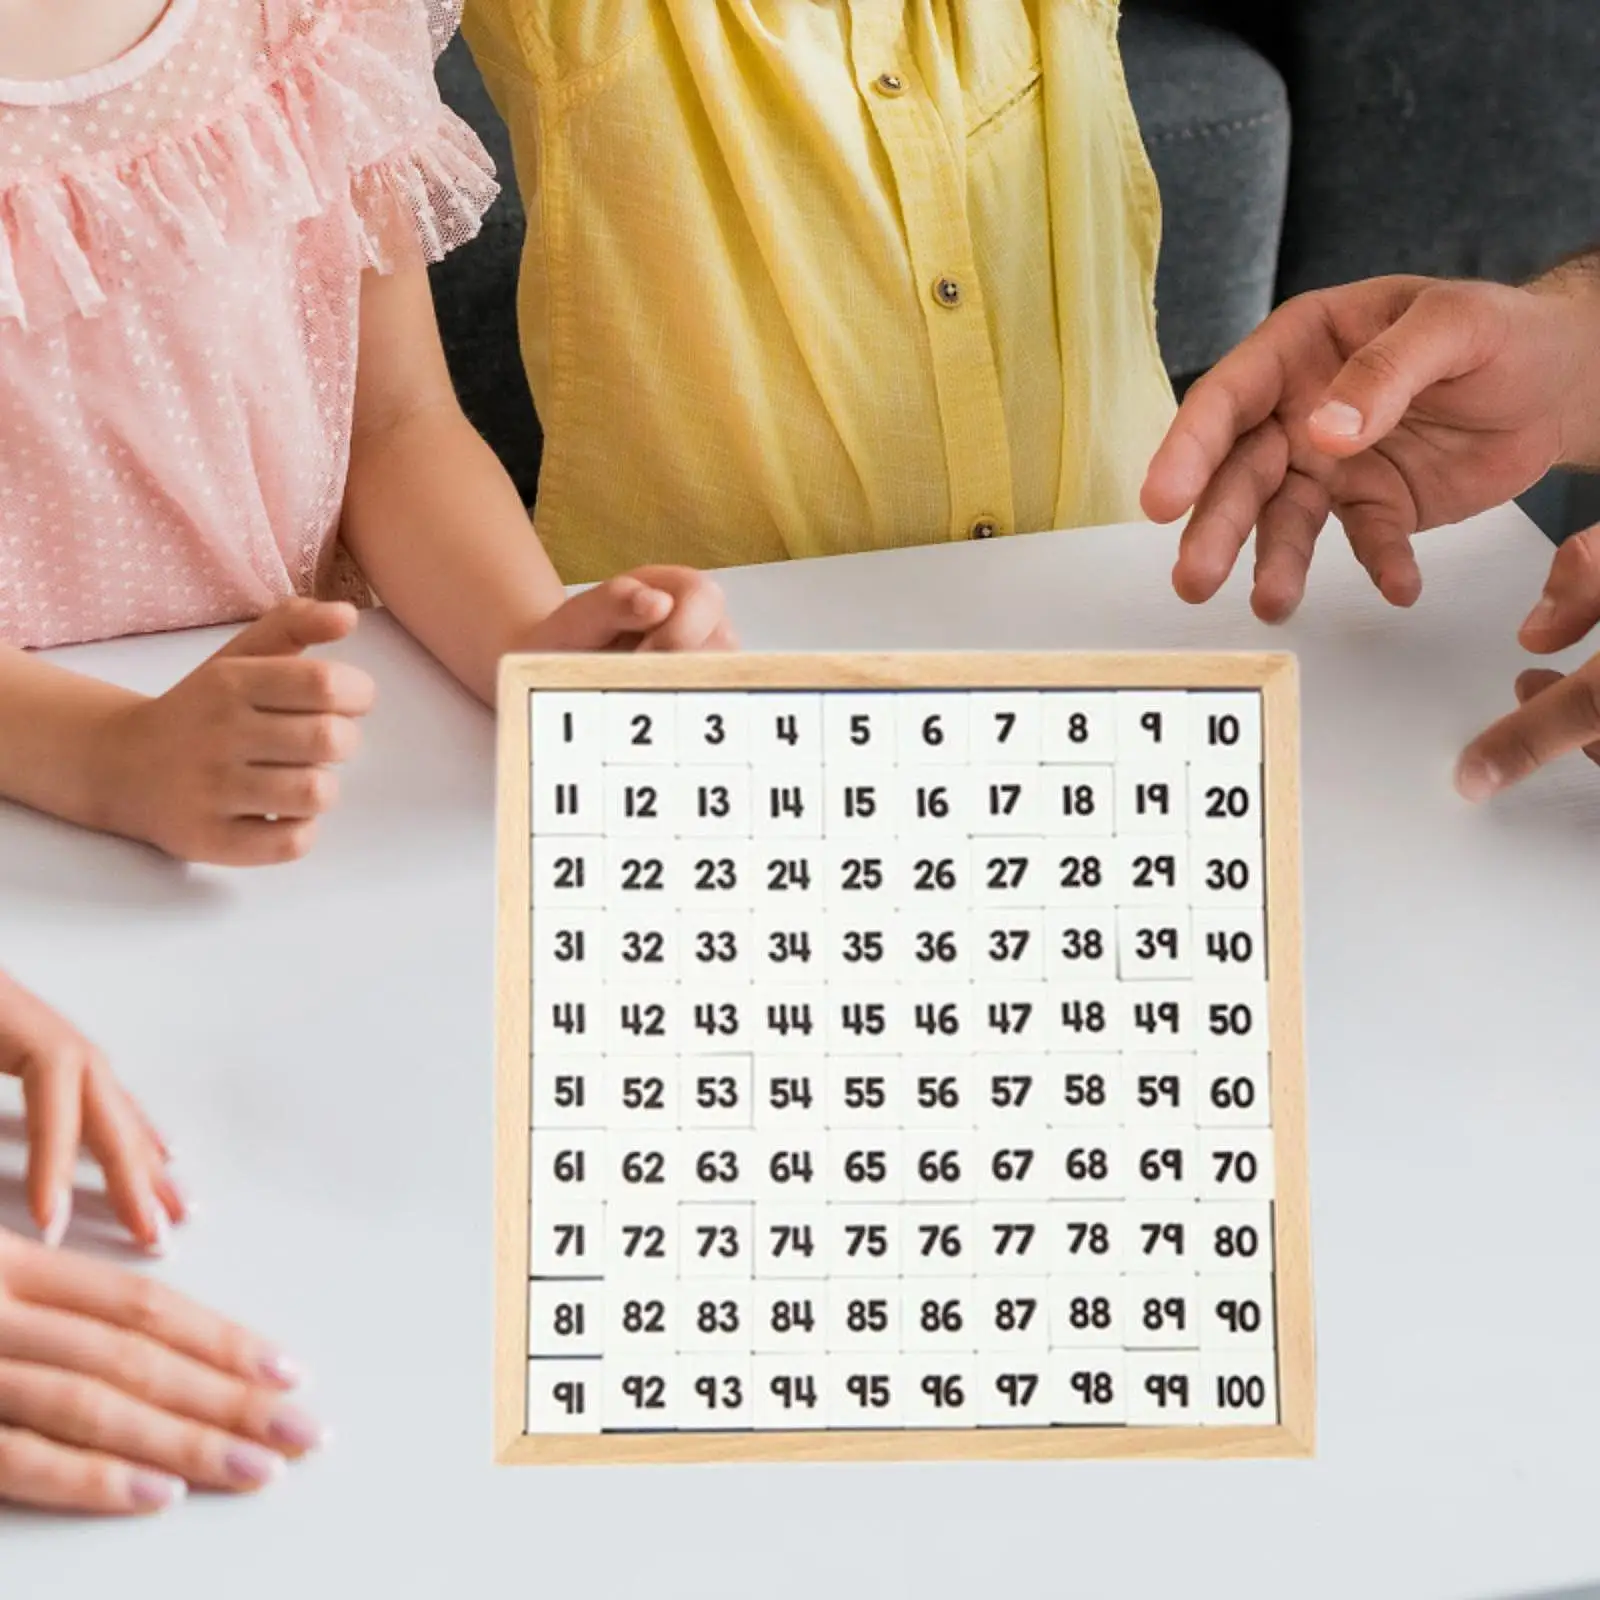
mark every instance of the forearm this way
{"type": "Point", "coordinates": [440, 533]}
{"type": "Point", "coordinates": [54, 728]}
{"type": "Point", "coordinates": [1577, 284]}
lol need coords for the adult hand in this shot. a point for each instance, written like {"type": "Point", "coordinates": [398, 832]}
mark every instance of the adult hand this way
{"type": "Point", "coordinates": [1397, 404]}
{"type": "Point", "coordinates": [116, 1393]}
{"type": "Point", "coordinates": [1557, 714]}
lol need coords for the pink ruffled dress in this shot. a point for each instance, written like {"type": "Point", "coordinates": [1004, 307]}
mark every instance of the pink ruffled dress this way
{"type": "Point", "coordinates": [182, 239]}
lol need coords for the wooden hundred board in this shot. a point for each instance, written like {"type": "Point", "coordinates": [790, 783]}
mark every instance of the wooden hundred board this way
{"type": "Point", "coordinates": [900, 1056]}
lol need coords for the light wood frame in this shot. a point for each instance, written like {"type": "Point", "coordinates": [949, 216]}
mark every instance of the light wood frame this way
{"type": "Point", "coordinates": [1276, 676]}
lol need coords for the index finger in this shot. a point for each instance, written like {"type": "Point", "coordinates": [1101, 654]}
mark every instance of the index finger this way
{"type": "Point", "coordinates": [1553, 723]}
{"type": "Point", "coordinates": [304, 685]}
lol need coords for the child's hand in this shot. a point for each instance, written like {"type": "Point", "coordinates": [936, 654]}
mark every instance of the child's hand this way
{"type": "Point", "coordinates": [115, 1392]}
{"type": "Point", "coordinates": [70, 1094]}
{"type": "Point", "coordinates": [232, 765]}
{"type": "Point", "coordinates": [650, 608]}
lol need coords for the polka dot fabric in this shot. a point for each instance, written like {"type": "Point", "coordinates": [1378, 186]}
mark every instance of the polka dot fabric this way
{"type": "Point", "coordinates": [182, 239]}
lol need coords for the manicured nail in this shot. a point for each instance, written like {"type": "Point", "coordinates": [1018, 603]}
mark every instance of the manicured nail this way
{"type": "Point", "coordinates": [154, 1491]}
{"type": "Point", "coordinates": [276, 1367]}
{"type": "Point", "coordinates": [250, 1468]}
{"type": "Point", "coordinates": [1542, 615]}
{"type": "Point", "coordinates": [55, 1229]}
{"type": "Point", "coordinates": [295, 1431]}
{"type": "Point", "coordinates": [1477, 780]}
{"type": "Point", "coordinates": [1338, 419]}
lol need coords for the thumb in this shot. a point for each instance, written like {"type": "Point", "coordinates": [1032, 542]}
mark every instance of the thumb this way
{"type": "Point", "coordinates": [1441, 335]}
{"type": "Point", "coordinates": [1570, 605]}
{"type": "Point", "coordinates": [294, 626]}
{"type": "Point", "coordinates": [597, 618]}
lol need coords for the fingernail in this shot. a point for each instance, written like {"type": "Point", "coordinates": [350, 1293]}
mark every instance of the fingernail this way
{"type": "Point", "coordinates": [153, 1491]}
{"type": "Point", "coordinates": [276, 1367]}
{"type": "Point", "coordinates": [186, 1206]}
{"type": "Point", "coordinates": [250, 1468]}
{"type": "Point", "coordinates": [294, 1430]}
{"type": "Point", "coordinates": [1477, 780]}
{"type": "Point", "coordinates": [162, 1243]}
{"type": "Point", "coordinates": [1338, 419]}
{"type": "Point", "coordinates": [1542, 614]}
{"type": "Point", "coordinates": [55, 1230]}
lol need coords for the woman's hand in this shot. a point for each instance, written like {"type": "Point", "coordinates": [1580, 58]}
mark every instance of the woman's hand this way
{"type": "Point", "coordinates": [116, 1393]}
{"type": "Point", "coordinates": [70, 1095]}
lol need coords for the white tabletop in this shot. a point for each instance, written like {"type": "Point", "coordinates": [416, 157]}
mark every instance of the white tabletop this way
{"type": "Point", "coordinates": [317, 1040]}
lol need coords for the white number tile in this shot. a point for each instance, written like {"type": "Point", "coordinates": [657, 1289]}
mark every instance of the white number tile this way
{"type": "Point", "coordinates": [858, 731]}
{"type": "Point", "coordinates": [1163, 1388]}
{"type": "Point", "coordinates": [569, 874]}
{"type": "Point", "coordinates": [861, 944]}
{"type": "Point", "coordinates": [1085, 1092]}
{"type": "Point", "coordinates": [791, 1241]}
{"type": "Point", "coordinates": [926, 947]}
{"type": "Point", "coordinates": [1089, 1387]}
{"type": "Point", "coordinates": [1161, 1163]}
{"type": "Point", "coordinates": [713, 947]}
{"type": "Point", "coordinates": [939, 1314]}
{"type": "Point", "coordinates": [1013, 1314]}
{"type": "Point", "coordinates": [1224, 802]}
{"type": "Point", "coordinates": [938, 1092]}
{"type": "Point", "coordinates": [1236, 1312]}
{"type": "Point", "coordinates": [1150, 870]}
{"type": "Point", "coordinates": [786, 803]}
{"type": "Point", "coordinates": [1238, 1388]}
{"type": "Point", "coordinates": [930, 804]}
{"type": "Point", "coordinates": [1006, 873]}
{"type": "Point", "coordinates": [790, 1165]}
{"type": "Point", "coordinates": [645, 877]}
{"type": "Point", "coordinates": [1077, 804]}
{"type": "Point", "coordinates": [644, 1019]}
{"type": "Point", "coordinates": [787, 945]}
{"type": "Point", "coordinates": [1078, 726]}
{"type": "Point", "coordinates": [1008, 944]}
{"type": "Point", "coordinates": [715, 1241]}
{"type": "Point", "coordinates": [939, 1390]}
{"type": "Point", "coordinates": [1162, 1236]}
{"type": "Point", "coordinates": [932, 729]}
{"type": "Point", "coordinates": [859, 803]}
{"type": "Point", "coordinates": [1011, 1019]}
{"type": "Point", "coordinates": [564, 1397]}
{"type": "Point", "coordinates": [1235, 1163]}
{"type": "Point", "coordinates": [791, 1392]}
{"type": "Point", "coordinates": [569, 947]}
{"type": "Point", "coordinates": [788, 877]}
{"type": "Point", "coordinates": [567, 798]}
{"type": "Point", "coordinates": [565, 1319]}
{"type": "Point", "coordinates": [924, 874]}
{"type": "Point", "coordinates": [1014, 1167]}
{"type": "Point", "coordinates": [1161, 1312]}
{"type": "Point", "coordinates": [714, 1393]}
{"type": "Point", "coordinates": [860, 876]}
{"type": "Point", "coordinates": [863, 1241]}
{"type": "Point", "coordinates": [865, 1389]}
{"type": "Point", "coordinates": [641, 1244]}
{"type": "Point", "coordinates": [1086, 1310]}
{"type": "Point", "coordinates": [1011, 1093]}
{"type": "Point", "coordinates": [1005, 801]}
{"type": "Point", "coordinates": [931, 1020]}
{"type": "Point", "coordinates": [1085, 1017]}
{"type": "Point", "coordinates": [713, 803]}
{"type": "Point", "coordinates": [1225, 872]}
{"type": "Point", "coordinates": [1152, 798]}
{"type": "Point", "coordinates": [1082, 875]}
{"type": "Point", "coordinates": [1004, 725]}
{"type": "Point", "coordinates": [1088, 1238]}
{"type": "Point", "coordinates": [866, 1166]}
{"type": "Point", "coordinates": [1225, 727]}
{"type": "Point", "coordinates": [789, 1315]}
{"type": "Point", "coordinates": [712, 730]}
{"type": "Point", "coordinates": [717, 1018]}
{"type": "Point", "coordinates": [1162, 1018]}
{"type": "Point", "coordinates": [641, 1320]}
{"type": "Point", "coordinates": [640, 1394]}
{"type": "Point", "coordinates": [566, 726]}
{"type": "Point", "coordinates": [644, 1166]}
{"type": "Point", "coordinates": [937, 1241]}
{"type": "Point", "coordinates": [1232, 1017]}
{"type": "Point", "coordinates": [941, 1165]}
{"type": "Point", "coordinates": [1235, 1236]}
{"type": "Point", "coordinates": [568, 1092]}
{"type": "Point", "coordinates": [1154, 943]}
{"type": "Point", "coordinates": [714, 1317]}
{"type": "Point", "coordinates": [711, 875]}
{"type": "Point", "coordinates": [1161, 1090]}
{"type": "Point", "coordinates": [1152, 725]}
{"type": "Point", "coordinates": [862, 1017]}
{"type": "Point", "coordinates": [1234, 1091]}
{"type": "Point", "coordinates": [715, 1092]}
{"type": "Point", "coordinates": [567, 1238]}
{"type": "Point", "coordinates": [1014, 1391]}
{"type": "Point", "coordinates": [1229, 943]}
{"type": "Point", "coordinates": [1011, 1238]}
{"type": "Point", "coordinates": [1080, 945]}
{"type": "Point", "coordinates": [640, 804]}
{"type": "Point", "coordinates": [788, 1019]}
{"type": "Point", "coordinates": [718, 1165]}
{"type": "Point", "coordinates": [642, 947]}
{"type": "Point", "coordinates": [785, 729]}
{"type": "Point", "coordinates": [640, 729]}
{"type": "Point", "coordinates": [867, 1092]}
{"type": "Point", "coordinates": [864, 1315]}
{"type": "Point", "coordinates": [567, 1165]}
{"type": "Point", "coordinates": [790, 1096]}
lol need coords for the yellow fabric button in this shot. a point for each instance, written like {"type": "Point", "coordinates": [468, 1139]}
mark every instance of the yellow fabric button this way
{"type": "Point", "coordinates": [890, 84]}
{"type": "Point", "coordinates": [984, 528]}
{"type": "Point", "coordinates": [947, 291]}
